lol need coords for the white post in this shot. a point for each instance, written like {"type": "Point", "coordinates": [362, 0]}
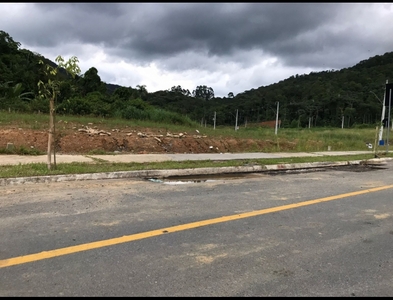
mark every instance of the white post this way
{"type": "Point", "coordinates": [237, 111]}
{"type": "Point", "coordinates": [278, 104]}
{"type": "Point", "coordinates": [214, 119]}
{"type": "Point", "coordinates": [381, 125]}
{"type": "Point", "coordinates": [387, 134]}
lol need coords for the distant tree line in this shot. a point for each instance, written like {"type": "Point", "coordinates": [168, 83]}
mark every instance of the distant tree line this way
{"type": "Point", "coordinates": [353, 95]}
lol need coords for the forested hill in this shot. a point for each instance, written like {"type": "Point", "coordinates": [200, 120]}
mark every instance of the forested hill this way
{"type": "Point", "coordinates": [315, 99]}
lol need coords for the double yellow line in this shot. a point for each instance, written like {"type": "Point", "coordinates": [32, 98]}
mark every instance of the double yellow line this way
{"type": "Point", "coordinates": [143, 235]}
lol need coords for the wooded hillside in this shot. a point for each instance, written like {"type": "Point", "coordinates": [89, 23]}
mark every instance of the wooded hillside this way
{"type": "Point", "coordinates": [317, 99]}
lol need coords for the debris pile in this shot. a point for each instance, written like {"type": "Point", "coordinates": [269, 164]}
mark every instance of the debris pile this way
{"type": "Point", "coordinates": [92, 131]}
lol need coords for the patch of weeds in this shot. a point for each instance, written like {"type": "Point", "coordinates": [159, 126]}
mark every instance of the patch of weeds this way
{"type": "Point", "coordinates": [97, 152]}
{"type": "Point", "coordinates": [28, 151]}
{"type": "Point", "coordinates": [22, 150]}
{"type": "Point", "coordinates": [7, 151]}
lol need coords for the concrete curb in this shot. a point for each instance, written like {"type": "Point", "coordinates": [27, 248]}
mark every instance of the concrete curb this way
{"type": "Point", "coordinates": [186, 172]}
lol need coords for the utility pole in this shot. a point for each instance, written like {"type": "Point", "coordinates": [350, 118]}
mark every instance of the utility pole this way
{"type": "Point", "coordinates": [380, 135]}
{"type": "Point", "coordinates": [278, 104]}
{"type": "Point", "coordinates": [387, 134]}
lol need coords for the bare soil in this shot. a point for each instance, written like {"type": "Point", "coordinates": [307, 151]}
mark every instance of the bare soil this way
{"type": "Point", "coordinates": [80, 139]}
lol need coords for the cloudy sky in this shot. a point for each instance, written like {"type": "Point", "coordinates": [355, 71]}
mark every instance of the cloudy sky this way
{"type": "Point", "coordinates": [230, 47]}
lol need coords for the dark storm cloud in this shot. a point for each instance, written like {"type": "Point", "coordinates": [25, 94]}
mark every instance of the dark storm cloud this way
{"type": "Point", "coordinates": [145, 31]}
{"type": "Point", "coordinates": [222, 29]}
{"type": "Point", "coordinates": [75, 22]}
{"type": "Point", "coordinates": [235, 46]}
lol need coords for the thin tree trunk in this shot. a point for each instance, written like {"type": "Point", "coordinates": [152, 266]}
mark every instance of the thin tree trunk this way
{"type": "Point", "coordinates": [50, 133]}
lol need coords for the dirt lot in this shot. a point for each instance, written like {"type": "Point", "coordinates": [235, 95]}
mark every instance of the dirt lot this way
{"type": "Point", "coordinates": [84, 139]}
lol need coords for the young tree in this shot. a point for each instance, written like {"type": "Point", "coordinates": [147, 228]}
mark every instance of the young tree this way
{"type": "Point", "coordinates": [50, 90]}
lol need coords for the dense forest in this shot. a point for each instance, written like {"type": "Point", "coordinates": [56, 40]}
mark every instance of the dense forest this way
{"type": "Point", "coordinates": [337, 98]}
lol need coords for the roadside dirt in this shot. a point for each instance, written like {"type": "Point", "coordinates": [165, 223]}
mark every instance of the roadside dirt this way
{"type": "Point", "coordinates": [84, 139]}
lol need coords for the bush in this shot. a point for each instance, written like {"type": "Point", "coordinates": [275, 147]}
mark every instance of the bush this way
{"type": "Point", "coordinates": [75, 106]}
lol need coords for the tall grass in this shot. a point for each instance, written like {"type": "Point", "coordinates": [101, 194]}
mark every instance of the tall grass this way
{"type": "Point", "coordinates": [41, 121]}
{"type": "Point", "coordinates": [305, 139]}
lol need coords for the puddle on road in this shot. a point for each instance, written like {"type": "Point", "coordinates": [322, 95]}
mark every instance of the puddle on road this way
{"type": "Point", "coordinates": [204, 178]}
{"type": "Point", "coordinates": [358, 168]}
{"type": "Point", "coordinates": [173, 180]}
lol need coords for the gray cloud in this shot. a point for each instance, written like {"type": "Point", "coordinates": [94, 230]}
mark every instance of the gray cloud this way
{"type": "Point", "coordinates": [227, 39]}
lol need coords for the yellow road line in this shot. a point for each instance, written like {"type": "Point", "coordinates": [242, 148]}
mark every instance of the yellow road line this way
{"type": "Point", "coordinates": [134, 237]}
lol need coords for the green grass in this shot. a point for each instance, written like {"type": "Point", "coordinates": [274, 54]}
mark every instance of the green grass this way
{"type": "Point", "coordinates": [41, 169]}
{"type": "Point", "coordinates": [41, 122]}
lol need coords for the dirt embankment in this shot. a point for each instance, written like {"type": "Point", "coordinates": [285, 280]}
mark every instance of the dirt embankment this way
{"type": "Point", "coordinates": [90, 138]}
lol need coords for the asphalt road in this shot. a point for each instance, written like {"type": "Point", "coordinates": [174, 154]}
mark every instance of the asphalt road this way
{"type": "Point", "coordinates": [325, 233]}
